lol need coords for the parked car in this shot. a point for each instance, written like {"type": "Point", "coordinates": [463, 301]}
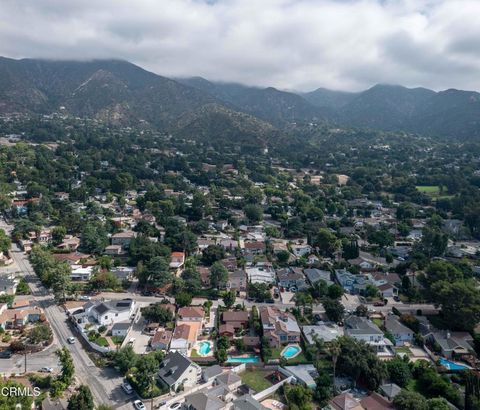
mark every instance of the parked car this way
{"type": "Point", "coordinates": [127, 388]}
{"type": "Point", "coordinates": [175, 406]}
{"type": "Point", "coordinates": [131, 341]}
{"type": "Point", "coordinates": [138, 404]}
{"type": "Point", "coordinates": [71, 340]}
{"type": "Point", "coordinates": [85, 297]}
{"type": "Point", "coordinates": [5, 354]}
{"type": "Point", "coordinates": [46, 369]}
{"type": "Point", "coordinates": [378, 304]}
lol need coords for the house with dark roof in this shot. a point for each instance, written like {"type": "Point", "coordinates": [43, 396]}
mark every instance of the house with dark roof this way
{"type": "Point", "coordinates": [291, 278]}
{"type": "Point", "coordinates": [177, 371]}
{"type": "Point", "coordinates": [316, 275]}
{"type": "Point", "coordinates": [401, 333]}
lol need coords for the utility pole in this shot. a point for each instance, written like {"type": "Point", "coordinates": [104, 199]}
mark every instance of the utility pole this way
{"type": "Point", "coordinates": [25, 355]}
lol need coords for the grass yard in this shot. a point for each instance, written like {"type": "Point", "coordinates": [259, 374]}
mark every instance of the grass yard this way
{"type": "Point", "coordinates": [255, 379]}
{"type": "Point", "coordinates": [433, 191]}
{"type": "Point", "coordinates": [194, 353]}
{"type": "Point", "coordinates": [378, 322]}
{"type": "Point", "coordinates": [101, 341]}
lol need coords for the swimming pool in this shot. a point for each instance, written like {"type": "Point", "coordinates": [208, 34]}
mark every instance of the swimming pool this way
{"type": "Point", "coordinates": [204, 348]}
{"type": "Point", "coordinates": [248, 359]}
{"type": "Point", "coordinates": [291, 351]}
{"type": "Point", "coordinates": [452, 365]}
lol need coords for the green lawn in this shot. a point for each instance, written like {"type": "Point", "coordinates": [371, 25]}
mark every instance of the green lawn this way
{"type": "Point", "coordinates": [255, 379]}
{"type": "Point", "coordinates": [378, 322]}
{"type": "Point", "coordinates": [101, 341]}
{"type": "Point", "coordinates": [194, 353]}
{"type": "Point", "coordinates": [428, 189]}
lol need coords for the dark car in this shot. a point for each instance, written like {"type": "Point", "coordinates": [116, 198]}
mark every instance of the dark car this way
{"type": "Point", "coordinates": [5, 354]}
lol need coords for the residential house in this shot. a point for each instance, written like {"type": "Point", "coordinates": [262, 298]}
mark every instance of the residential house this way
{"type": "Point", "coordinates": [70, 243]}
{"type": "Point", "coordinates": [237, 281]}
{"type": "Point", "coordinates": [114, 250]}
{"type": "Point", "coordinates": [161, 339]}
{"type": "Point", "coordinates": [177, 259]}
{"type": "Point", "coordinates": [105, 313]}
{"type": "Point", "coordinates": [261, 273]}
{"type": "Point", "coordinates": [453, 344]}
{"type": "Point", "coordinates": [304, 373]}
{"type": "Point", "coordinates": [362, 329]}
{"type": "Point", "coordinates": [344, 401]}
{"type": "Point", "coordinates": [353, 284]}
{"type": "Point", "coordinates": [123, 238]}
{"type": "Point", "coordinates": [254, 248]}
{"type": "Point", "coordinates": [376, 402]}
{"type": "Point", "coordinates": [401, 333]}
{"type": "Point", "coordinates": [178, 371]}
{"type": "Point", "coordinates": [300, 249]}
{"type": "Point", "coordinates": [184, 338]}
{"type": "Point", "coordinates": [279, 327]}
{"type": "Point", "coordinates": [8, 285]}
{"type": "Point", "coordinates": [237, 319]}
{"type": "Point", "coordinates": [80, 273]}
{"type": "Point", "coordinates": [390, 390]}
{"type": "Point", "coordinates": [72, 258]}
{"type": "Point", "coordinates": [17, 318]}
{"type": "Point", "coordinates": [316, 275]}
{"type": "Point", "coordinates": [121, 329]}
{"type": "Point", "coordinates": [191, 314]}
{"type": "Point", "coordinates": [321, 331]}
{"type": "Point", "coordinates": [247, 402]}
{"type": "Point", "coordinates": [289, 278]}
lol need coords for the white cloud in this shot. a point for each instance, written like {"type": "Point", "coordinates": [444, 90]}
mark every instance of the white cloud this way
{"type": "Point", "coordinates": [294, 44]}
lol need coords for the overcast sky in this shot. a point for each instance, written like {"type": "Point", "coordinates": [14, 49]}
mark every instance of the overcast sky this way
{"type": "Point", "coordinates": [289, 44]}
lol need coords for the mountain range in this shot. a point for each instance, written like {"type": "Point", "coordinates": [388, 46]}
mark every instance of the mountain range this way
{"type": "Point", "coordinates": [120, 92]}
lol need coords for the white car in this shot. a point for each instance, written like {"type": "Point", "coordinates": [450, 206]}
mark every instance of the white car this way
{"type": "Point", "coordinates": [138, 404]}
{"type": "Point", "coordinates": [175, 406]}
{"type": "Point", "coordinates": [127, 388]}
{"type": "Point", "coordinates": [85, 297]}
{"type": "Point", "coordinates": [71, 340]}
{"type": "Point", "coordinates": [131, 341]}
{"type": "Point", "coordinates": [46, 369]}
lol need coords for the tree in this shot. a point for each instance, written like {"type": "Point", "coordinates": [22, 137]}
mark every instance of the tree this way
{"type": "Point", "coordinates": [40, 333]}
{"type": "Point", "coordinates": [81, 400]}
{"type": "Point", "coordinates": [335, 291]}
{"type": "Point", "coordinates": [333, 309]}
{"type": "Point", "coordinates": [192, 279]}
{"type": "Point", "coordinates": [253, 212]}
{"type": "Point", "coordinates": [266, 350]}
{"type": "Point", "coordinates": [298, 397]}
{"type": "Point", "coordinates": [334, 349]}
{"type": "Point", "coordinates": [361, 310]}
{"type": "Point", "coordinates": [240, 345]}
{"type": "Point", "coordinates": [183, 299]}
{"type": "Point", "coordinates": [221, 355]}
{"type": "Point", "coordinates": [94, 238]}
{"type": "Point", "coordinates": [223, 342]}
{"type": "Point", "coordinates": [157, 273]}
{"type": "Point", "coordinates": [5, 241]}
{"type": "Point", "coordinates": [61, 281]}
{"type": "Point", "coordinates": [371, 291]}
{"type": "Point", "coordinates": [68, 369]}
{"type": "Point", "coordinates": [283, 257]}
{"type": "Point", "coordinates": [212, 254]}
{"type": "Point", "coordinates": [147, 367]}
{"type": "Point", "coordinates": [125, 359]}
{"type": "Point", "coordinates": [58, 233]}
{"type": "Point", "coordinates": [410, 400]}
{"type": "Point", "coordinates": [399, 371]}
{"type": "Point", "coordinates": [218, 275]}
{"type": "Point", "coordinates": [11, 401]}
{"type": "Point", "coordinates": [229, 299]}
{"type": "Point", "coordinates": [326, 241]}
{"type": "Point", "coordinates": [157, 313]}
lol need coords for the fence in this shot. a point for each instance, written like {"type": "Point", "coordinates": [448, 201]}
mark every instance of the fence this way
{"type": "Point", "coordinates": [272, 389]}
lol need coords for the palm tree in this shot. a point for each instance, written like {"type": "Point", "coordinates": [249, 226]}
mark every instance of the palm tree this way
{"type": "Point", "coordinates": [334, 349]}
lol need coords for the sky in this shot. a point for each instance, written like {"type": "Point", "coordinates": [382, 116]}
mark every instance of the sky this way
{"type": "Point", "coordinates": [288, 44]}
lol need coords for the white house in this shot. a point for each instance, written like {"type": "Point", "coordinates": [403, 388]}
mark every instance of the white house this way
{"type": "Point", "coordinates": [177, 371]}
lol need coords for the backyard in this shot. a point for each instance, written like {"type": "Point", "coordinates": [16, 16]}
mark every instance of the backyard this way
{"type": "Point", "coordinates": [256, 379]}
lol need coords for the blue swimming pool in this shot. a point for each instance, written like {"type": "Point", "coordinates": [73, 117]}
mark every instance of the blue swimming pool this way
{"type": "Point", "coordinates": [249, 359]}
{"type": "Point", "coordinates": [452, 366]}
{"type": "Point", "coordinates": [291, 351]}
{"type": "Point", "coordinates": [204, 348]}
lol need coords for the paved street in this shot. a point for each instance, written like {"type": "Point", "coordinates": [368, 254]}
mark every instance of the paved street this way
{"type": "Point", "coordinates": [104, 383]}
